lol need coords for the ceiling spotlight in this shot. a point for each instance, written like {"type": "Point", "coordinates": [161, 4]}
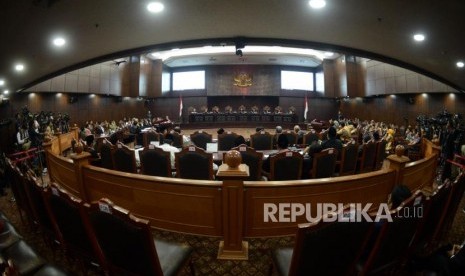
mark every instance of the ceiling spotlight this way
{"type": "Point", "coordinates": [59, 41]}
{"type": "Point", "coordinates": [19, 67]}
{"type": "Point", "coordinates": [317, 4]}
{"type": "Point", "coordinates": [155, 7]}
{"type": "Point", "coordinates": [460, 64]}
{"type": "Point", "coordinates": [2, 82]}
{"type": "Point", "coordinates": [419, 37]}
{"type": "Point", "coordinates": [6, 92]}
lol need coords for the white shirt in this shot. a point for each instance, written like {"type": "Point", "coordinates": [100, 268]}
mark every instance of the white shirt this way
{"type": "Point", "coordinates": [22, 136]}
{"type": "Point", "coordinates": [172, 150]}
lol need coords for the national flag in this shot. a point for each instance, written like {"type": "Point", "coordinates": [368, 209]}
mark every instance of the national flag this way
{"type": "Point", "coordinates": [180, 106]}
{"type": "Point", "coordinates": [306, 108]}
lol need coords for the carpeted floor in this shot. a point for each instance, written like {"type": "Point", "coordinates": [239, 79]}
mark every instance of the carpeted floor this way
{"type": "Point", "coordinates": [205, 248]}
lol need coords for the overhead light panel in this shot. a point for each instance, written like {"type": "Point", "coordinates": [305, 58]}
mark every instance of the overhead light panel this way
{"type": "Point", "coordinates": [317, 4]}
{"type": "Point", "coordinates": [460, 64]}
{"type": "Point", "coordinates": [2, 82]}
{"type": "Point", "coordinates": [59, 42]}
{"type": "Point", "coordinates": [19, 67]}
{"type": "Point", "coordinates": [155, 7]}
{"type": "Point", "coordinates": [247, 49]}
{"type": "Point", "coordinates": [419, 37]}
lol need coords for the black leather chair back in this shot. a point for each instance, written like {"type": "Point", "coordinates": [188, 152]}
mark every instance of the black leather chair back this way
{"type": "Point", "coordinates": [324, 163]}
{"type": "Point", "coordinates": [65, 213]}
{"type": "Point", "coordinates": [125, 242]}
{"type": "Point", "coordinates": [291, 136]}
{"type": "Point", "coordinates": [124, 159]}
{"type": "Point", "coordinates": [105, 154]}
{"type": "Point", "coordinates": [200, 139]}
{"type": "Point", "coordinates": [194, 163]}
{"type": "Point", "coordinates": [368, 157]}
{"type": "Point", "coordinates": [36, 200]}
{"type": "Point", "coordinates": [226, 141]}
{"type": "Point", "coordinates": [155, 161]}
{"type": "Point", "coordinates": [150, 136]}
{"type": "Point", "coordinates": [286, 165]}
{"type": "Point", "coordinates": [253, 159]}
{"type": "Point", "coordinates": [394, 238]}
{"type": "Point", "coordinates": [261, 141]}
{"type": "Point", "coordinates": [380, 154]}
{"type": "Point", "coordinates": [310, 137]}
{"type": "Point", "coordinates": [349, 158]}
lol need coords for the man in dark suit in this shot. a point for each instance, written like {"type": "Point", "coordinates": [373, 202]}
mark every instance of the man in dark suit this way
{"type": "Point", "coordinates": [332, 141]}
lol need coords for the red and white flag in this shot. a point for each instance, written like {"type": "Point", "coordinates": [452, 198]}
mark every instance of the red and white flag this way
{"type": "Point", "coordinates": [306, 108]}
{"type": "Point", "coordinates": [180, 106]}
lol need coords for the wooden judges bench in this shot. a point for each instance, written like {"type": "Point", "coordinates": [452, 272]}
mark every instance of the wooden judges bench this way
{"type": "Point", "coordinates": [242, 118]}
{"type": "Point", "coordinates": [231, 209]}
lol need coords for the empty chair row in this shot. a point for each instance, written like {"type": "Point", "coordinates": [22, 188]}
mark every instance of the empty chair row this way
{"type": "Point", "coordinates": [367, 247]}
{"type": "Point", "coordinates": [100, 233]}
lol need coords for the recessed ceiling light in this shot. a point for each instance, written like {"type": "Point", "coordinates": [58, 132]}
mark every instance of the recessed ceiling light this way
{"type": "Point", "coordinates": [317, 4]}
{"type": "Point", "coordinates": [6, 92]}
{"type": "Point", "coordinates": [419, 37]}
{"type": "Point", "coordinates": [460, 64]}
{"type": "Point", "coordinates": [59, 41]}
{"type": "Point", "coordinates": [155, 7]}
{"type": "Point", "coordinates": [19, 67]}
{"type": "Point", "coordinates": [2, 82]}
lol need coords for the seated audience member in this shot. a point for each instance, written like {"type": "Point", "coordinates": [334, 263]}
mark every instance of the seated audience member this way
{"type": "Point", "coordinates": [376, 136]}
{"type": "Point", "coordinates": [34, 134]}
{"type": "Point", "coordinates": [220, 131]}
{"type": "Point", "coordinates": [282, 145]}
{"type": "Point", "coordinates": [259, 128]}
{"type": "Point", "coordinates": [167, 146]}
{"type": "Point", "coordinates": [22, 138]}
{"type": "Point", "coordinates": [89, 146]}
{"type": "Point", "coordinates": [344, 132]}
{"type": "Point", "coordinates": [332, 141]}
{"type": "Point", "coordinates": [389, 139]}
{"type": "Point", "coordinates": [278, 131]}
{"type": "Point", "coordinates": [239, 141]}
{"type": "Point", "coordinates": [185, 139]}
{"type": "Point", "coordinates": [300, 133]}
{"type": "Point", "coordinates": [398, 195]}
{"type": "Point", "coordinates": [309, 152]}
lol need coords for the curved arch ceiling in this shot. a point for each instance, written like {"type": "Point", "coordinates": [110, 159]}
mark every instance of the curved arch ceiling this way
{"type": "Point", "coordinates": [106, 29]}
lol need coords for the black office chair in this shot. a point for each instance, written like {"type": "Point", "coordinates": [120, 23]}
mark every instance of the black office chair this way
{"type": "Point", "coordinates": [201, 138]}
{"type": "Point", "coordinates": [227, 140]}
{"type": "Point", "coordinates": [286, 165]}
{"type": "Point", "coordinates": [155, 161]}
{"type": "Point", "coordinates": [253, 159]}
{"type": "Point", "coordinates": [65, 213]}
{"type": "Point", "coordinates": [323, 248]}
{"type": "Point", "coordinates": [124, 158]}
{"type": "Point", "coordinates": [324, 163]}
{"type": "Point", "coordinates": [125, 243]}
{"type": "Point", "coordinates": [194, 163]}
{"type": "Point", "coordinates": [261, 141]}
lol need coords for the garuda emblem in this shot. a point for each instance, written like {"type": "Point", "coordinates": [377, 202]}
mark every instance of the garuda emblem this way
{"type": "Point", "coordinates": [242, 80]}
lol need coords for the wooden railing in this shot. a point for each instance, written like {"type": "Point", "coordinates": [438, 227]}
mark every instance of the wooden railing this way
{"type": "Point", "coordinates": [206, 207]}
